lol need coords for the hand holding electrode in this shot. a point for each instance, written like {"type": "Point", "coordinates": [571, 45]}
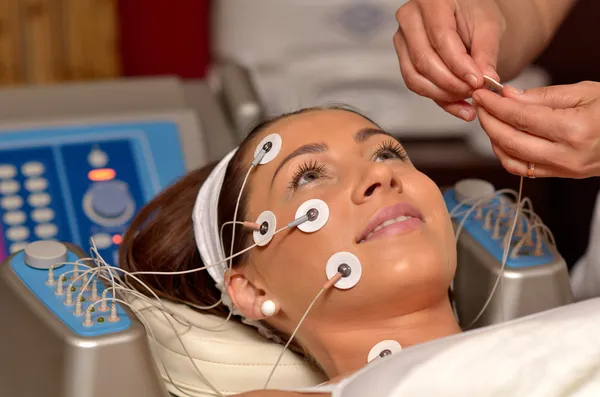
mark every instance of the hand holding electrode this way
{"type": "Point", "coordinates": [445, 46]}
{"type": "Point", "coordinates": [544, 132]}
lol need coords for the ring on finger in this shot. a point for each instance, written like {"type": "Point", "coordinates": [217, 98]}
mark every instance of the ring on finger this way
{"type": "Point", "coordinates": [531, 170]}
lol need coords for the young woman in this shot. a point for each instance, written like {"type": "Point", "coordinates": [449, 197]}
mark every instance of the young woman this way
{"type": "Point", "coordinates": [382, 209]}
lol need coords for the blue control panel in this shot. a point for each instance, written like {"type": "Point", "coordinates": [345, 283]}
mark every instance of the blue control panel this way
{"type": "Point", "coordinates": [36, 281]}
{"type": "Point", "coordinates": [75, 182]}
{"type": "Point", "coordinates": [475, 227]}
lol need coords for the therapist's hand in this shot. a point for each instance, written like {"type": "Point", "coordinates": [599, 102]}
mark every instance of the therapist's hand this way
{"type": "Point", "coordinates": [557, 128]}
{"type": "Point", "coordinates": [445, 46]}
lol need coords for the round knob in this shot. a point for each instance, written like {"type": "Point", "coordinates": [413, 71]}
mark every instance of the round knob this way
{"type": "Point", "coordinates": [45, 254]}
{"type": "Point", "coordinates": [473, 189]}
{"type": "Point", "coordinates": [110, 199]}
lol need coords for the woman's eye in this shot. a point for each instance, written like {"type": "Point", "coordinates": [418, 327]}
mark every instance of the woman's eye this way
{"type": "Point", "coordinates": [308, 177]}
{"type": "Point", "coordinates": [386, 156]}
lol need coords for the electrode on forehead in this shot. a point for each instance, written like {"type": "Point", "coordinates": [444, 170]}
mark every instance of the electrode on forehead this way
{"type": "Point", "coordinates": [348, 265]}
{"type": "Point", "coordinates": [383, 349]}
{"type": "Point", "coordinates": [317, 214]}
{"type": "Point", "coordinates": [271, 145]}
{"type": "Point", "coordinates": [268, 223]}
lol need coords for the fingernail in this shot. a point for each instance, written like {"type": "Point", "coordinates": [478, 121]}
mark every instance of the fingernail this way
{"type": "Point", "coordinates": [464, 114]}
{"type": "Point", "coordinates": [472, 80]}
{"type": "Point", "coordinates": [514, 90]}
{"type": "Point", "coordinates": [476, 97]}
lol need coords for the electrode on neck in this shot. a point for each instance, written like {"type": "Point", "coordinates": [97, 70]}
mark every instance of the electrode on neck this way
{"type": "Point", "coordinates": [383, 349]}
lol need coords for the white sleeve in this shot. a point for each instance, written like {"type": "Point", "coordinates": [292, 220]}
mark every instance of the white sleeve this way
{"type": "Point", "coordinates": [585, 276]}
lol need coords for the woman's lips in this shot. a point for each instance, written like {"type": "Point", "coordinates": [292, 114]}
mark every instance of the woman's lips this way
{"type": "Point", "coordinates": [398, 227]}
{"type": "Point", "coordinates": [396, 219]}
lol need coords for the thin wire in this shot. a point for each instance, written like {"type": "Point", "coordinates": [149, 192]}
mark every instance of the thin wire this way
{"type": "Point", "coordinates": [504, 259]}
{"type": "Point", "coordinates": [147, 325]}
{"type": "Point", "coordinates": [237, 205]}
{"type": "Point", "coordinates": [292, 337]}
{"type": "Point", "coordinates": [216, 263]}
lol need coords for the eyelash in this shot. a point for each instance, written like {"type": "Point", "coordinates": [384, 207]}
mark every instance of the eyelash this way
{"type": "Point", "coordinates": [390, 146]}
{"type": "Point", "coordinates": [305, 168]}
{"type": "Point", "coordinates": [393, 147]}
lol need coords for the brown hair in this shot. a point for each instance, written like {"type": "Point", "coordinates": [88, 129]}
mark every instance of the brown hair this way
{"type": "Point", "coordinates": [161, 236]}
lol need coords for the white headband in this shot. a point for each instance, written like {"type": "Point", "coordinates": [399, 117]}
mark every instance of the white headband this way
{"type": "Point", "coordinates": [207, 234]}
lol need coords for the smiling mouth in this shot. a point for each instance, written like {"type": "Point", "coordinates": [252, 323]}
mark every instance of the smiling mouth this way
{"type": "Point", "coordinates": [386, 224]}
{"type": "Point", "coordinates": [400, 218]}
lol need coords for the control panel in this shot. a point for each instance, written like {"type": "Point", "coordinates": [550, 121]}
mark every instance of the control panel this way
{"type": "Point", "coordinates": [535, 276]}
{"type": "Point", "coordinates": [63, 334]}
{"type": "Point", "coordinates": [489, 226]}
{"type": "Point", "coordinates": [87, 180]}
{"type": "Point", "coordinates": [54, 276]}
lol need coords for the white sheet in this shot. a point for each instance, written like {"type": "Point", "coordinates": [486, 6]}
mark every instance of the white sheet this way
{"type": "Point", "coordinates": [550, 354]}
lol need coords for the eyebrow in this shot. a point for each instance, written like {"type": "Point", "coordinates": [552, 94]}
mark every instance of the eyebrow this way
{"type": "Point", "coordinates": [363, 134]}
{"type": "Point", "coordinates": [360, 136]}
{"type": "Point", "coordinates": [311, 148]}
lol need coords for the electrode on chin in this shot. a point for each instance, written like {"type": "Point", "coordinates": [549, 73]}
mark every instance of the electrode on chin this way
{"type": "Point", "coordinates": [348, 265]}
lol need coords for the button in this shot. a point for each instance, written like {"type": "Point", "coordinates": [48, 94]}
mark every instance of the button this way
{"type": "Point", "coordinates": [110, 199]}
{"type": "Point", "coordinates": [33, 168]}
{"type": "Point", "coordinates": [17, 247]}
{"type": "Point", "coordinates": [17, 233]}
{"type": "Point", "coordinates": [102, 240]}
{"type": "Point", "coordinates": [42, 215]}
{"type": "Point", "coordinates": [9, 187]}
{"type": "Point", "coordinates": [36, 184]}
{"type": "Point", "coordinates": [97, 158]}
{"type": "Point", "coordinates": [45, 254]}
{"type": "Point", "coordinates": [46, 230]}
{"type": "Point", "coordinates": [14, 218]}
{"type": "Point", "coordinates": [11, 203]}
{"type": "Point", "coordinates": [39, 199]}
{"type": "Point", "coordinates": [7, 171]}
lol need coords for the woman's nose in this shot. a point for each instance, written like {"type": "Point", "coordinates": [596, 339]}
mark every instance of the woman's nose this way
{"type": "Point", "coordinates": [378, 178]}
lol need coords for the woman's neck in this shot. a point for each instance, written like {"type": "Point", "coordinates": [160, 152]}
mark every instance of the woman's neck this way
{"type": "Point", "coordinates": [341, 351]}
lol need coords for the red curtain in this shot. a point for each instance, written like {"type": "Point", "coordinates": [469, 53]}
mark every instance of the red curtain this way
{"type": "Point", "coordinates": [159, 37]}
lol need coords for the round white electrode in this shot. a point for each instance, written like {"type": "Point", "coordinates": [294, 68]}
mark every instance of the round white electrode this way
{"type": "Point", "coordinates": [322, 216]}
{"type": "Point", "coordinates": [383, 349]}
{"type": "Point", "coordinates": [262, 237]}
{"type": "Point", "coordinates": [333, 267]}
{"type": "Point", "coordinates": [275, 140]}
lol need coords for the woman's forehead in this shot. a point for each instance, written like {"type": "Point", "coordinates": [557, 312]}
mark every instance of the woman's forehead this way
{"type": "Point", "coordinates": [316, 125]}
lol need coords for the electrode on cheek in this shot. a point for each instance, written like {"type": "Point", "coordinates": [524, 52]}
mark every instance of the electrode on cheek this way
{"type": "Point", "coordinates": [311, 216]}
{"type": "Point", "coordinates": [346, 264]}
{"type": "Point", "coordinates": [268, 224]}
{"type": "Point", "coordinates": [267, 149]}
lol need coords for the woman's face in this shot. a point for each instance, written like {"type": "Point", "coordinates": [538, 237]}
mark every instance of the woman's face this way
{"type": "Point", "coordinates": [359, 171]}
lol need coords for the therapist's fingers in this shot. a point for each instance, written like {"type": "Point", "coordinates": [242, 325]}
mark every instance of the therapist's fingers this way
{"type": "Point", "coordinates": [519, 144]}
{"type": "Point", "coordinates": [556, 97]}
{"type": "Point", "coordinates": [485, 44]}
{"type": "Point", "coordinates": [539, 120]}
{"type": "Point", "coordinates": [428, 63]}
{"type": "Point", "coordinates": [439, 22]}
{"type": "Point", "coordinates": [414, 80]}
{"type": "Point", "coordinates": [460, 109]}
{"type": "Point", "coordinates": [520, 167]}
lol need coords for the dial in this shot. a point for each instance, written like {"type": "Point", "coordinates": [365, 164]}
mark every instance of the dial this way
{"type": "Point", "coordinates": [109, 203]}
